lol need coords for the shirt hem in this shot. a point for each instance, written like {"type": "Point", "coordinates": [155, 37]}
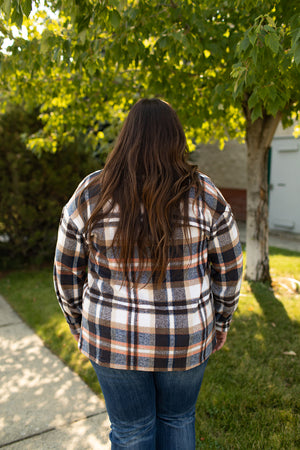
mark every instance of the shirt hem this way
{"type": "Point", "coordinates": [142, 368]}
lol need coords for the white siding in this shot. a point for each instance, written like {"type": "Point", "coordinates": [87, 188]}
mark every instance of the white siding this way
{"type": "Point", "coordinates": [284, 206]}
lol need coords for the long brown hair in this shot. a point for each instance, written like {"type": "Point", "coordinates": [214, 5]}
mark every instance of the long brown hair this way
{"type": "Point", "coordinates": [147, 175]}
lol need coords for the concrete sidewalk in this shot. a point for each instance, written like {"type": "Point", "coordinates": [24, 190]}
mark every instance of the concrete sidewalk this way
{"type": "Point", "coordinates": [43, 404]}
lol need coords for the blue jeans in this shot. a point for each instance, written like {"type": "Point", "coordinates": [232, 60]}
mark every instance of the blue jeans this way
{"type": "Point", "coordinates": [151, 410]}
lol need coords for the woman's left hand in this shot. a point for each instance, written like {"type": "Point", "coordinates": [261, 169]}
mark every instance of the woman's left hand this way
{"type": "Point", "coordinates": [221, 337]}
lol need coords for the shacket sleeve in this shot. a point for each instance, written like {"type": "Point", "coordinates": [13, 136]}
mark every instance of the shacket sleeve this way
{"type": "Point", "coordinates": [226, 260]}
{"type": "Point", "coordinates": [70, 274]}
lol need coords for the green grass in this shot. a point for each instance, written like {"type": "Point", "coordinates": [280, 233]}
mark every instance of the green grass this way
{"type": "Point", "coordinates": [250, 396]}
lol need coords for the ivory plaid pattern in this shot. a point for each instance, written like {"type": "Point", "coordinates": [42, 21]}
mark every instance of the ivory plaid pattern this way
{"type": "Point", "coordinates": [143, 327]}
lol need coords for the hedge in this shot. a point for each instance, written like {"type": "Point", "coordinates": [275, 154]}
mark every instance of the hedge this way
{"type": "Point", "coordinates": [33, 190]}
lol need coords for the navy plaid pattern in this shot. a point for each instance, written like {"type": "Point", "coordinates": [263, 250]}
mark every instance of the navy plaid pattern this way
{"type": "Point", "coordinates": [142, 327]}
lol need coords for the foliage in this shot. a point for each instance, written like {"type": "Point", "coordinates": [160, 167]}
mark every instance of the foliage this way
{"type": "Point", "coordinates": [42, 69]}
{"type": "Point", "coordinates": [206, 58]}
{"type": "Point", "coordinates": [33, 190]}
{"type": "Point", "coordinates": [231, 70]}
{"type": "Point", "coordinates": [250, 394]}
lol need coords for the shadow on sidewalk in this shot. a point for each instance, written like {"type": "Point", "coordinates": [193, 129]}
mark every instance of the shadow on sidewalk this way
{"type": "Point", "coordinates": [43, 404]}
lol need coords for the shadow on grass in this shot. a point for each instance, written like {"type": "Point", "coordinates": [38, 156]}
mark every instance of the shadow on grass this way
{"type": "Point", "coordinates": [272, 308]}
{"type": "Point", "coordinates": [250, 395]}
{"type": "Point", "coordinates": [285, 331]}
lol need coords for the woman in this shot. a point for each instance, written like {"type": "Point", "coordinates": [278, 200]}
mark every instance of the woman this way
{"type": "Point", "coordinates": [147, 272]}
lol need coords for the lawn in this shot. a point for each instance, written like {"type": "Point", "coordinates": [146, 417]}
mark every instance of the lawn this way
{"type": "Point", "coordinates": [250, 396]}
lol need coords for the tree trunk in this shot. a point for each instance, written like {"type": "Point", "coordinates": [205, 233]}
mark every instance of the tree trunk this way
{"type": "Point", "coordinates": [259, 135]}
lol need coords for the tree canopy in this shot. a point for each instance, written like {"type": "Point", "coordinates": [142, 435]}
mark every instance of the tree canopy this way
{"type": "Point", "coordinates": [230, 69]}
{"type": "Point", "coordinates": [91, 60]}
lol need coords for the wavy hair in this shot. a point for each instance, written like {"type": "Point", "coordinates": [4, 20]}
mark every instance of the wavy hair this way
{"type": "Point", "coordinates": [148, 177]}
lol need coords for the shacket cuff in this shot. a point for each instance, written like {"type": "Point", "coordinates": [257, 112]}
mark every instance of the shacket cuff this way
{"type": "Point", "coordinates": [75, 329]}
{"type": "Point", "coordinates": [224, 326]}
{"type": "Point", "coordinates": [74, 324]}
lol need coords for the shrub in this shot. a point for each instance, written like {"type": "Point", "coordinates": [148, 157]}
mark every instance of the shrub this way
{"type": "Point", "coordinates": [33, 190]}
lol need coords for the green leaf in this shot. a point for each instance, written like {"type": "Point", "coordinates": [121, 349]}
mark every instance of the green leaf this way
{"type": "Point", "coordinates": [82, 36]}
{"type": "Point", "coordinates": [163, 42]}
{"type": "Point", "coordinates": [91, 68]}
{"type": "Point", "coordinates": [114, 18]}
{"type": "Point", "coordinates": [253, 99]}
{"type": "Point", "coordinates": [132, 49]}
{"type": "Point", "coordinates": [26, 7]}
{"type": "Point", "coordinates": [180, 37]}
{"type": "Point", "coordinates": [83, 23]}
{"type": "Point", "coordinates": [273, 107]}
{"type": "Point", "coordinates": [250, 78]}
{"type": "Point", "coordinates": [268, 28]}
{"type": "Point", "coordinates": [238, 88]}
{"type": "Point", "coordinates": [17, 16]}
{"type": "Point", "coordinates": [252, 37]}
{"type": "Point", "coordinates": [56, 54]}
{"type": "Point", "coordinates": [272, 41]}
{"type": "Point", "coordinates": [237, 70]}
{"type": "Point", "coordinates": [6, 7]}
{"type": "Point", "coordinates": [270, 22]}
{"type": "Point", "coordinates": [132, 12]}
{"type": "Point", "coordinates": [244, 44]}
{"type": "Point", "coordinates": [254, 54]}
{"type": "Point", "coordinates": [122, 5]}
{"type": "Point", "coordinates": [45, 45]}
{"type": "Point", "coordinates": [297, 53]}
{"type": "Point", "coordinates": [295, 35]}
{"type": "Point", "coordinates": [256, 112]}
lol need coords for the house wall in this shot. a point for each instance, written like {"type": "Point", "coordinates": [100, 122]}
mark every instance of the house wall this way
{"type": "Point", "coordinates": [228, 170]}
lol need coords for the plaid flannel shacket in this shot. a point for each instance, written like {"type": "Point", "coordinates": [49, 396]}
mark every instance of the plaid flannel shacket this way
{"type": "Point", "coordinates": [143, 327]}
